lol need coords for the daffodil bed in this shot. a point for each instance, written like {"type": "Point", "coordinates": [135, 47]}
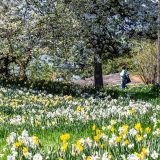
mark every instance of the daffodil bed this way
{"type": "Point", "coordinates": [35, 125]}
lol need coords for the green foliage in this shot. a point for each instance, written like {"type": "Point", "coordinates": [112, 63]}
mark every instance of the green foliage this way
{"type": "Point", "coordinates": [143, 92]}
{"type": "Point", "coordinates": [156, 88]}
{"type": "Point", "coordinates": [114, 65]}
{"type": "Point", "coordinates": [145, 60]}
{"type": "Point", "coordinates": [39, 71]}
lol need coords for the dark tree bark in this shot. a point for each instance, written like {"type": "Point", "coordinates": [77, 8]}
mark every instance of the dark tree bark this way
{"type": "Point", "coordinates": [6, 64]}
{"type": "Point", "coordinates": [22, 72]}
{"type": "Point", "coordinates": [5, 60]}
{"type": "Point", "coordinates": [98, 75]}
{"type": "Point", "coordinates": [23, 65]}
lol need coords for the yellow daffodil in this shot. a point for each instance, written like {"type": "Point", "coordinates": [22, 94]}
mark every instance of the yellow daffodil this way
{"type": "Point", "coordinates": [64, 146]}
{"type": "Point", "coordinates": [65, 137]}
{"type": "Point", "coordinates": [88, 158]}
{"type": "Point", "coordinates": [25, 151]}
{"type": "Point", "coordinates": [138, 127]}
{"type": "Point", "coordinates": [94, 127]}
{"type": "Point", "coordinates": [126, 142]}
{"type": "Point", "coordinates": [118, 139]}
{"type": "Point", "coordinates": [96, 138]}
{"type": "Point", "coordinates": [148, 130]}
{"type": "Point", "coordinates": [79, 146]}
{"type": "Point", "coordinates": [35, 140]}
{"type": "Point", "coordinates": [112, 129]}
{"type": "Point", "coordinates": [98, 131]}
{"type": "Point", "coordinates": [139, 137]}
{"type": "Point", "coordinates": [18, 144]}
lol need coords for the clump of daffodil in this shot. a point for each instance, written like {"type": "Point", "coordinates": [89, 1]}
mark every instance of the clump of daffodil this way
{"type": "Point", "coordinates": [17, 144]}
{"type": "Point", "coordinates": [64, 146]}
{"type": "Point", "coordinates": [94, 127]}
{"type": "Point", "coordinates": [132, 111]}
{"type": "Point", "coordinates": [147, 129]}
{"type": "Point", "coordinates": [35, 140]}
{"type": "Point", "coordinates": [64, 138]}
{"type": "Point", "coordinates": [138, 127]}
{"type": "Point", "coordinates": [79, 146]}
{"type": "Point", "coordinates": [25, 152]}
{"type": "Point", "coordinates": [79, 109]}
{"type": "Point", "coordinates": [23, 146]}
{"type": "Point", "coordinates": [139, 138]}
{"type": "Point", "coordinates": [118, 139]}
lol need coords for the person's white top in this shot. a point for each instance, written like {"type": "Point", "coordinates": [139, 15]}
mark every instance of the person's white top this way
{"type": "Point", "coordinates": [123, 74]}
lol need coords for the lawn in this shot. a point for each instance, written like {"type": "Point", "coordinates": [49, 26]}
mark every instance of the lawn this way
{"type": "Point", "coordinates": [109, 124]}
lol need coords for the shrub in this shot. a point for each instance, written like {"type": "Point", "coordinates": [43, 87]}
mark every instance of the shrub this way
{"type": "Point", "coordinates": [145, 61]}
{"type": "Point", "coordinates": [114, 65]}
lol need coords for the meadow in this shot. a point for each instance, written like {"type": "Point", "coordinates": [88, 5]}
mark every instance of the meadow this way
{"type": "Point", "coordinates": [38, 125]}
{"type": "Point", "coordinates": [59, 60]}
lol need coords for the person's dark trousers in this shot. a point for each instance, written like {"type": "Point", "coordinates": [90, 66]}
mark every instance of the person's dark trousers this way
{"type": "Point", "coordinates": [123, 84]}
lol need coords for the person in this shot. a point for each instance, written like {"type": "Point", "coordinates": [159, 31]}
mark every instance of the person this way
{"type": "Point", "coordinates": [124, 76]}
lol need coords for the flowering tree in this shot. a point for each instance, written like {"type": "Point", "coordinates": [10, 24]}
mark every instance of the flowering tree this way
{"type": "Point", "coordinates": [96, 30]}
{"type": "Point", "coordinates": [106, 27]}
{"type": "Point", "coordinates": [59, 32]}
{"type": "Point", "coordinates": [82, 32]}
{"type": "Point", "coordinates": [18, 35]}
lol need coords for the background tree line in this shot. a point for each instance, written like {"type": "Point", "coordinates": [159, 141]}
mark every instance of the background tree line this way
{"type": "Point", "coordinates": [84, 32]}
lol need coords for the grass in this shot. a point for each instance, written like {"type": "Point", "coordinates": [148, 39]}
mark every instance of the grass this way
{"type": "Point", "coordinates": [49, 130]}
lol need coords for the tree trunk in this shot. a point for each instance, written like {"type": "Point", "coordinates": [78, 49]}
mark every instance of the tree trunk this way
{"type": "Point", "coordinates": [98, 76]}
{"type": "Point", "coordinates": [158, 55]}
{"type": "Point", "coordinates": [22, 72]}
{"type": "Point", "coordinates": [23, 65]}
{"type": "Point", "coordinates": [6, 65]}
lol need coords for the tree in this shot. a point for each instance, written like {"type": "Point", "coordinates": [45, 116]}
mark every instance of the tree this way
{"type": "Point", "coordinates": [102, 29]}
{"type": "Point", "coordinates": [18, 35]}
{"type": "Point", "coordinates": [145, 60]}
{"type": "Point", "coordinates": [76, 31]}
{"type": "Point", "coordinates": [106, 26]}
{"type": "Point", "coordinates": [60, 34]}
